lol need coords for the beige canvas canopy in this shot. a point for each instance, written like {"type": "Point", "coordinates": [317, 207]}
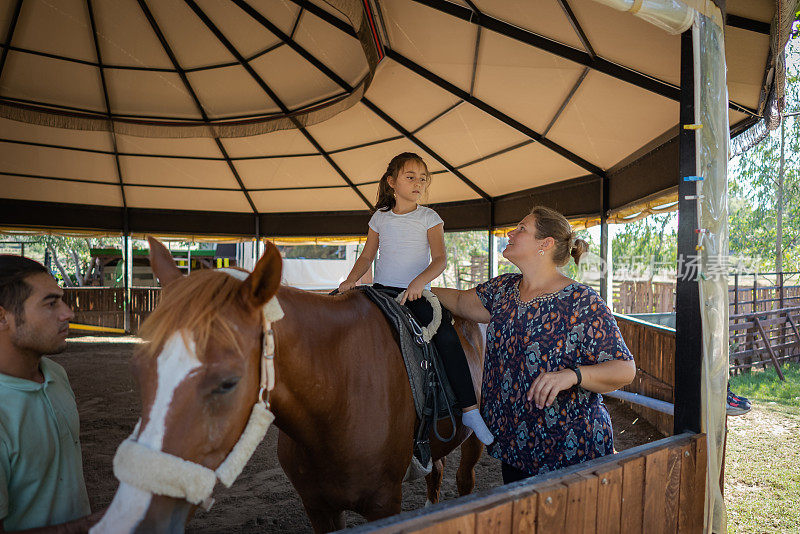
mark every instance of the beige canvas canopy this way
{"type": "Point", "coordinates": [278, 117]}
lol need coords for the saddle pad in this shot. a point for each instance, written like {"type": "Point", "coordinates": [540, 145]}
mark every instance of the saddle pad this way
{"type": "Point", "coordinates": [413, 354]}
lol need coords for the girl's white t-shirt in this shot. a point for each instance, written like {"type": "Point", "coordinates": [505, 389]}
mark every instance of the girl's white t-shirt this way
{"type": "Point", "coordinates": [403, 248]}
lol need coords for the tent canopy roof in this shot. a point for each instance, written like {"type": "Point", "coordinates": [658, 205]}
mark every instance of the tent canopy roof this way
{"type": "Point", "coordinates": [279, 117]}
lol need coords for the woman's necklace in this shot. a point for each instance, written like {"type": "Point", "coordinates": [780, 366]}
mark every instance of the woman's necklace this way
{"type": "Point", "coordinates": [539, 298]}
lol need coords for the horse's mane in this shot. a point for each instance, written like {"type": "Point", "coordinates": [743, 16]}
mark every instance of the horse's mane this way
{"type": "Point", "coordinates": [192, 305]}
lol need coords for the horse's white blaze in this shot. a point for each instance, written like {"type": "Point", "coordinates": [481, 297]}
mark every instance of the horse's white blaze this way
{"type": "Point", "coordinates": [125, 512]}
{"type": "Point", "coordinates": [175, 363]}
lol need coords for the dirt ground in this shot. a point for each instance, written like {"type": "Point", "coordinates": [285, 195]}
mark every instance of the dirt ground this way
{"type": "Point", "coordinates": [262, 499]}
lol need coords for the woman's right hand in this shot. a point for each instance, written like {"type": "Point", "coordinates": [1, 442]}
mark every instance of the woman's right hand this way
{"type": "Point", "coordinates": [346, 286]}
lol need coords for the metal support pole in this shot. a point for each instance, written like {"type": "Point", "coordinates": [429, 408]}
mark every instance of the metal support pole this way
{"type": "Point", "coordinates": [688, 327]}
{"type": "Point", "coordinates": [258, 242]}
{"type": "Point", "coordinates": [606, 287]}
{"type": "Point", "coordinates": [493, 264]}
{"type": "Point", "coordinates": [127, 258]}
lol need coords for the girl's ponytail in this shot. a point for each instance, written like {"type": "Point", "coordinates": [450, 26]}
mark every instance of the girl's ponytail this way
{"type": "Point", "coordinates": [386, 200]}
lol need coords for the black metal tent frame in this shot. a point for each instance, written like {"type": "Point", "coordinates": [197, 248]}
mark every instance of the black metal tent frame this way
{"type": "Point", "coordinates": [591, 195]}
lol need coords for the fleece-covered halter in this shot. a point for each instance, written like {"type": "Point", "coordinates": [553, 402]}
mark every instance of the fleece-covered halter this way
{"type": "Point", "coordinates": [161, 473]}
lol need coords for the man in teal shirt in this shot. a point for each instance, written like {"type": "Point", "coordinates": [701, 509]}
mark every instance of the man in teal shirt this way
{"type": "Point", "coordinates": [41, 472]}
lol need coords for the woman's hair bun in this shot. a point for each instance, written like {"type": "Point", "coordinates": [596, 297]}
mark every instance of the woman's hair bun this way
{"type": "Point", "coordinates": [578, 249]}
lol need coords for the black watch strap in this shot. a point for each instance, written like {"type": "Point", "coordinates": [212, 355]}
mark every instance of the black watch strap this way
{"type": "Point", "coordinates": [577, 372]}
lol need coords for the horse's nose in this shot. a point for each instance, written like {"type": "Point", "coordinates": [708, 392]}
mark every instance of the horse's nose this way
{"type": "Point", "coordinates": [165, 516]}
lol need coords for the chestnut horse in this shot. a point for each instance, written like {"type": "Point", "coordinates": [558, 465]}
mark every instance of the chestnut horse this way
{"type": "Point", "coordinates": [342, 400]}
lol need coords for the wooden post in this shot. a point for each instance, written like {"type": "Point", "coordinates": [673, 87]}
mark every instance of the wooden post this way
{"type": "Point", "coordinates": [784, 352]}
{"type": "Point", "coordinates": [769, 347]}
{"type": "Point", "coordinates": [736, 293]}
{"type": "Point", "coordinates": [794, 328]}
{"type": "Point", "coordinates": [688, 329]}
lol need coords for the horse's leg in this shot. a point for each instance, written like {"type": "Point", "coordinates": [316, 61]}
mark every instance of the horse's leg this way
{"type": "Point", "coordinates": [434, 481]}
{"type": "Point", "coordinates": [385, 501]}
{"type": "Point", "coordinates": [471, 451]}
{"type": "Point", "coordinates": [324, 516]}
{"type": "Point", "coordinates": [325, 520]}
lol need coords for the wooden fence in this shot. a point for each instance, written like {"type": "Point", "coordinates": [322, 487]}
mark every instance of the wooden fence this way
{"type": "Point", "coordinates": [643, 296]}
{"type": "Point", "coordinates": [756, 292]}
{"type": "Point", "coordinates": [655, 488]}
{"type": "Point", "coordinates": [653, 349]}
{"type": "Point", "coordinates": [763, 294]}
{"type": "Point", "coordinates": [105, 306]}
{"type": "Point", "coordinates": [764, 338]}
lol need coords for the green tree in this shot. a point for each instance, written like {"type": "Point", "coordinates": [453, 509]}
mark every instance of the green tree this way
{"type": "Point", "coordinates": [758, 192]}
{"type": "Point", "coordinates": [467, 257]}
{"type": "Point", "coordinates": [647, 246]}
{"type": "Point", "coordinates": [68, 257]}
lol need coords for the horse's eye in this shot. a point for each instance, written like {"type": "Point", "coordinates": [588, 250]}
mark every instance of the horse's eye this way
{"type": "Point", "coordinates": [226, 386]}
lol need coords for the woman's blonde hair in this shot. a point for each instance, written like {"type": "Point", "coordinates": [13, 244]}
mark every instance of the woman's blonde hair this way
{"type": "Point", "coordinates": [550, 223]}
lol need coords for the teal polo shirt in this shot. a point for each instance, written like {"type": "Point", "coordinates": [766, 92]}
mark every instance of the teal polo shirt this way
{"type": "Point", "coordinates": [41, 470]}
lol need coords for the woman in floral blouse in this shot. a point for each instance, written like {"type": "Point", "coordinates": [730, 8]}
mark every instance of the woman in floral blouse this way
{"type": "Point", "coordinates": [552, 348]}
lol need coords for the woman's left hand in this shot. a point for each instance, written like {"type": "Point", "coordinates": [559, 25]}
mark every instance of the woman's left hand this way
{"type": "Point", "coordinates": [544, 389]}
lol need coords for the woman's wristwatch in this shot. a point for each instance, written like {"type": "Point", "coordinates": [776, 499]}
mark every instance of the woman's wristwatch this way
{"type": "Point", "coordinates": [578, 373]}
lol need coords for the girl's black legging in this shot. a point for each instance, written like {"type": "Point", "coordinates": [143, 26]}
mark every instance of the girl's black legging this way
{"type": "Point", "coordinates": [447, 345]}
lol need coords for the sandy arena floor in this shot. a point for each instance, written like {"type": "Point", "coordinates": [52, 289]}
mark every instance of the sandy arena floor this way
{"type": "Point", "coordinates": [262, 499]}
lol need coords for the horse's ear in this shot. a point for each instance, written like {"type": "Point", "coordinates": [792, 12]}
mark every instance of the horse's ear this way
{"type": "Point", "coordinates": [263, 282]}
{"type": "Point", "coordinates": [162, 263]}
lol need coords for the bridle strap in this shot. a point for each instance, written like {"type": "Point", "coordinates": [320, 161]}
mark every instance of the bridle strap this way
{"type": "Point", "coordinates": [172, 476]}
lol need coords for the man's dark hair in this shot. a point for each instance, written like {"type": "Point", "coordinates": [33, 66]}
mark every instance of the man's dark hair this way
{"type": "Point", "coordinates": [14, 291]}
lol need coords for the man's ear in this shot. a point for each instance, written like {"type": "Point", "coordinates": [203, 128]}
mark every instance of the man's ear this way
{"type": "Point", "coordinates": [162, 263]}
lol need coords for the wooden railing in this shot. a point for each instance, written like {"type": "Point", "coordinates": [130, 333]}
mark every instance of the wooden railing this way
{"type": "Point", "coordinates": [757, 292]}
{"type": "Point", "coordinates": [633, 296]}
{"type": "Point", "coordinates": [764, 338]}
{"type": "Point", "coordinates": [105, 306]}
{"type": "Point", "coordinates": [653, 349]}
{"type": "Point", "coordinates": [655, 488]}
{"type": "Point", "coordinates": [746, 294]}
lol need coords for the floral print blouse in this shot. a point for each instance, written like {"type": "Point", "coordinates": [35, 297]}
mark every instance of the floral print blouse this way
{"type": "Point", "coordinates": [571, 327]}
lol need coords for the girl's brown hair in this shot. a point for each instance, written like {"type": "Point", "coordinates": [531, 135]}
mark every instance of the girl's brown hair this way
{"type": "Point", "coordinates": [550, 223]}
{"type": "Point", "coordinates": [386, 199]}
